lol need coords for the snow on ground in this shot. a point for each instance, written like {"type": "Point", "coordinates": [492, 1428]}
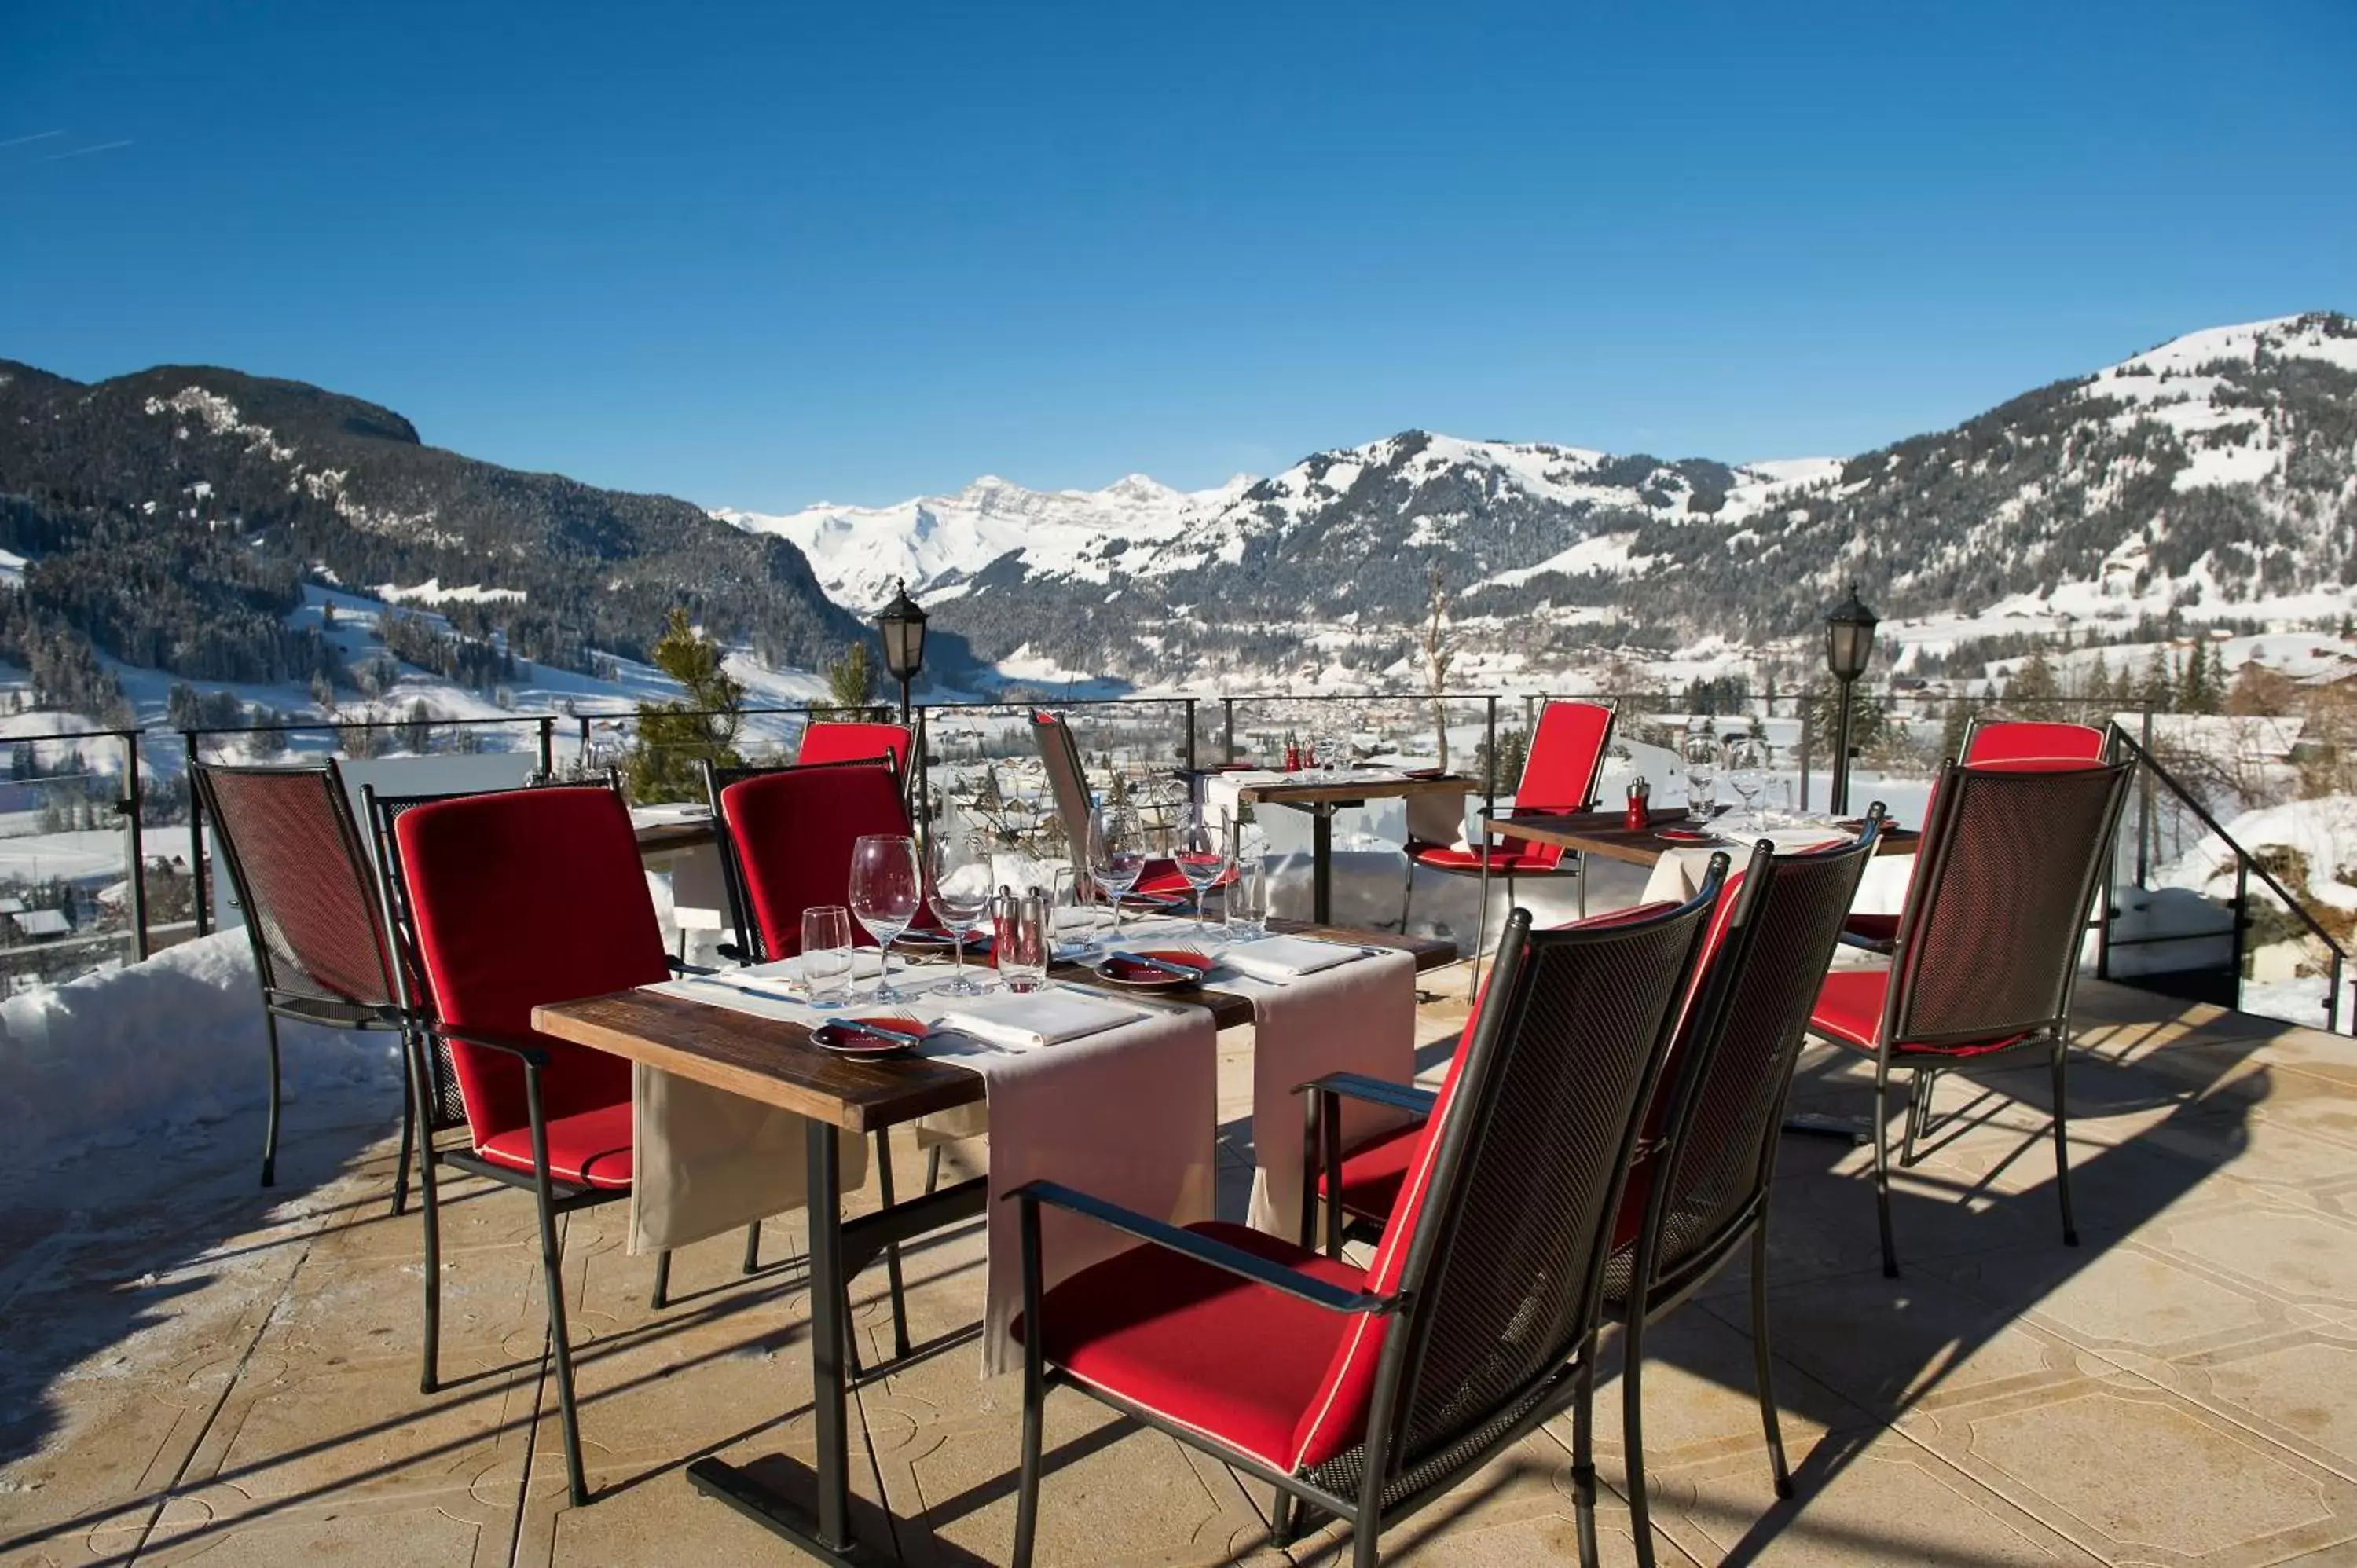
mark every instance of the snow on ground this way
{"type": "Point", "coordinates": [175, 1042]}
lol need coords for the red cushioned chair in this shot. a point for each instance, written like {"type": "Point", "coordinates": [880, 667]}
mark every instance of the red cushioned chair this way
{"type": "Point", "coordinates": [313, 914]}
{"type": "Point", "coordinates": [1161, 883]}
{"type": "Point", "coordinates": [1699, 1189]}
{"type": "Point", "coordinates": [1560, 774]}
{"type": "Point", "coordinates": [512, 899]}
{"type": "Point", "coordinates": [1987, 951]}
{"type": "Point", "coordinates": [786, 837]}
{"type": "Point", "coordinates": [2009, 743]}
{"type": "Point", "coordinates": [827, 740]}
{"type": "Point", "coordinates": [1366, 1392]}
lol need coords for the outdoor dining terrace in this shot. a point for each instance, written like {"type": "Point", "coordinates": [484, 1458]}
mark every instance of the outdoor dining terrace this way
{"type": "Point", "coordinates": [1189, 1212]}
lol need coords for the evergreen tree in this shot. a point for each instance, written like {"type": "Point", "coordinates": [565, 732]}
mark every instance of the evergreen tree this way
{"type": "Point", "coordinates": [2198, 692]}
{"type": "Point", "coordinates": [2030, 693]}
{"type": "Point", "coordinates": [851, 680]}
{"type": "Point", "coordinates": [2158, 689]}
{"type": "Point", "coordinates": [1954, 725]}
{"type": "Point", "coordinates": [675, 738]}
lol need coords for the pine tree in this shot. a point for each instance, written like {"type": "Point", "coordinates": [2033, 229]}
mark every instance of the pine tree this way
{"type": "Point", "coordinates": [1954, 725]}
{"type": "Point", "coordinates": [675, 738]}
{"type": "Point", "coordinates": [851, 680]}
{"type": "Point", "coordinates": [2032, 692]}
{"type": "Point", "coordinates": [2158, 689]}
{"type": "Point", "coordinates": [2198, 692]}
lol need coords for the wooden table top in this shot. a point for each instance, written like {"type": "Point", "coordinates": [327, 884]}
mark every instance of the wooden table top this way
{"type": "Point", "coordinates": [664, 838]}
{"type": "Point", "coordinates": [774, 1062]}
{"type": "Point", "coordinates": [1290, 793]}
{"type": "Point", "coordinates": [1608, 836]}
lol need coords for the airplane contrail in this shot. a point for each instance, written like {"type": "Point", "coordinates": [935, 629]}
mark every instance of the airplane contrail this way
{"type": "Point", "coordinates": [85, 152]}
{"type": "Point", "coordinates": [36, 136]}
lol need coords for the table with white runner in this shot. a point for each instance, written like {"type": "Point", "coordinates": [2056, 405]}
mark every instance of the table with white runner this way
{"type": "Point", "coordinates": [1125, 1114]}
{"type": "Point", "coordinates": [1353, 1016]}
{"type": "Point", "coordinates": [1678, 876]}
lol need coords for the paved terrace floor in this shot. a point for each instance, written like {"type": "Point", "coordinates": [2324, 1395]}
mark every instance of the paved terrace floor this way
{"type": "Point", "coordinates": [227, 1376]}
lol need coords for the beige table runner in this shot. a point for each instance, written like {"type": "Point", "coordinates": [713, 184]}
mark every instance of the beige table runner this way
{"type": "Point", "coordinates": [1126, 1114]}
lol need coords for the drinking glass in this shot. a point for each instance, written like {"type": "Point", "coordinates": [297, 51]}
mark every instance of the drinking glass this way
{"type": "Point", "coordinates": [1019, 938]}
{"type": "Point", "coordinates": [1201, 850]}
{"type": "Point", "coordinates": [1702, 775]}
{"type": "Point", "coordinates": [1072, 909]}
{"type": "Point", "coordinates": [826, 955]}
{"type": "Point", "coordinates": [959, 891]}
{"type": "Point", "coordinates": [1747, 771]}
{"type": "Point", "coordinates": [1116, 857]}
{"type": "Point", "coordinates": [886, 890]}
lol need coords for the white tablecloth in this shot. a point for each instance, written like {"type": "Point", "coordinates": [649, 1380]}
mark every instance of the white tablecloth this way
{"type": "Point", "coordinates": [1678, 876]}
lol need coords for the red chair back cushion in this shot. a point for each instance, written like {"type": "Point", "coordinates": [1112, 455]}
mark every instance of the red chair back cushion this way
{"type": "Point", "coordinates": [830, 742]}
{"type": "Point", "coordinates": [1565, 761]}
{"type": "Point", "coordinates": [520, 898]}
{"type": "Point", "coordinates": [793, 830]}
{"type": "Point", "coordinates": [2018, 743]}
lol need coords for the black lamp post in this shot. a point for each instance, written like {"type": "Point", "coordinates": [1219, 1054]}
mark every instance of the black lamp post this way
{"type": "Point", "coordinates": [1849, 644]}
{"type": "Point", "coordinates": [903, 626]}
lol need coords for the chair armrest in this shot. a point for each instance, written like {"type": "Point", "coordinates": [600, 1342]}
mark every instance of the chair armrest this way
{"type": "Point", "coordinates": [531, 1055]}
{"type": "Point", "coordinates": [1204, 1250]}
{"type": "Point", "coordinates": [1377, 1090]}
{"type": "Point", "coordinates": [681, 966]}
{"type": "Point", "coordinates": [1871, 945]}
{"type": "Point", "coordinates": [733, 953]}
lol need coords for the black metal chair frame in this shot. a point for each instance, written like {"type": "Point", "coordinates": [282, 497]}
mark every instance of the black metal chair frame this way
{"type": "Point", "coordinates": [1566, 1384]}
{"type": "Point", "coordinates": [282, 999]}
{"type": "Point", "coordinates": [749, 949]}
{"type": "Point", "coordinates": [431, 1082]}
{"type": "Point", "coordinates": [2049, 1033]}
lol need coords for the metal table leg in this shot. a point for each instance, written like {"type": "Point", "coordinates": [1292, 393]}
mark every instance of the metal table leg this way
{"type": "Point", "coordinates": [1321, 861]}
{"type": "Point", "coordinates": [828, 1537]}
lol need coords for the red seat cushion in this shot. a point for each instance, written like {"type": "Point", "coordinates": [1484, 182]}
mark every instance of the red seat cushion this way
{"type": "Point", "coordinates": [1849, 1013]}
{"type": "Point", "coordinates": [1514, 856]}
{"type": "Point", "coordinates": [1373, 1173]}
{"type": "Point", "coordinates": [589, 1149]}
{"type": "Point", "coordinates": [522, 897]}
{"type": "Point", "coordinates": [1162, 878]}
{"type": "Point", "coordinates": [1216, 1353]}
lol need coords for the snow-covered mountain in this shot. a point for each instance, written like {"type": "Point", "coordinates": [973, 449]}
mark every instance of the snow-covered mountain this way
{"type": "Point", "coordinates": [938, 544]}
{"type": "Point", "coordinates": [2214, 476]}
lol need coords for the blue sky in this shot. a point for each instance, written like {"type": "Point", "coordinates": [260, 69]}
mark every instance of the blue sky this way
{"type": "Point", "coordinates": [765, 255]}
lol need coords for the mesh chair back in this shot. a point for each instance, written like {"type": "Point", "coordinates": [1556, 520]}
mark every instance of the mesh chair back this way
{"type": "Point", "coordinates": [310, 900]}
{"type": "Point", "coordinates": [1501, 1235]}
{"type": "Point", "coordinates": [2018, 743]}
{"type": "Point", "coordinates": [829, 741]}
{"type": "Point", "coordinates": [786, 839]}
{"type": "Point", "coordinates": [521, 897]}
{"type": "Point", "coordinates": [1061, 755]}
{"type": "Point", "coordinates": [1566, 762]}
{"type": "Point", "coordinates": [1988, 943]}
{"type": "Point", "coordinates": [1722, 1096]}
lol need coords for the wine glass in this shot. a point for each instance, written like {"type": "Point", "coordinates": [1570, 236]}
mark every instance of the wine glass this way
{"type": "Point", "coordinates": [1747, 772]}
{"type": "Point", "coordinates": [1203, 851]}
{"type": "Point", "coordinates": [959, 891]}
{"type": "Point", "coordinates": [1116, 857]}
{"type": "Point", "coordinates": [886, 890]}
{"type": "Point", "coordinates": [1702, 775]}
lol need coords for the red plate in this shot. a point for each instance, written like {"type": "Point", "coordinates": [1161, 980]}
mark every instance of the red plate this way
{"type": "Point", "coordinates": [1118, 969]}
{"type": "Point", "coordinates": [847, 1036]}
{"type": "Point", "coordinates": [1684, 835]}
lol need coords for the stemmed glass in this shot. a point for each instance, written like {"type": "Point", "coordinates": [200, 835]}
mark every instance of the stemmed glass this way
{"type": "Point", "coordinates": [886, 890]}
{"type": "Point", "coordinates": [1116, 857]}
{"type": "Point", "coordinates": [1746, 766]}
{"type": "Point", "coordinates": [1702, 773]}
{"type": "Point", "coordinates": [1203, 852]}
{"type": "Point", "coordinates": [959, 891]}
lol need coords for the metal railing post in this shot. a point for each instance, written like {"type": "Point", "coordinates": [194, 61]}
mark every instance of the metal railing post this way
{"type": "Point", "coordinates": [2145, 827]}
{"type": "Point", "coordinates": [135, 846]}
{"type": "Point", "coordinates": [1806, 706]}
{"type": "Point", "coordinates": [1190, 734]}
{"type": "Point", "coordinates": [204, 908]}
{"type": "Point", "coordinates": [922, 741]}
{"type": "Point", "coordinates": [547, 747]}
{"type": "Point", "coordinates": [1490, 756]}
{"type": "Point", "coordinates": [581, 758]}
{"type": "Point", "coordinates": [1227, 729]}
{"type": "Point", "coordinates": [2241, 918]}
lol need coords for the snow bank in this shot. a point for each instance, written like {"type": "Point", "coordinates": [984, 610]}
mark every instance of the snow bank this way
{"type": "Point", "coordinates": [2323, 830]}
{"type": "Point", "coordinates": [171, 1042]}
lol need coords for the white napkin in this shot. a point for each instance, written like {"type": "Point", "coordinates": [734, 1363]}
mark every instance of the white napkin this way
{"type": "Point", "coordinates": [1790, 840]}
{"type": "Point", "coordinates": [1285, 958]}
{"type": "Point", "coordinates": [1027, 1021]}
{"type": "Point", "coordinates": [782, 979]}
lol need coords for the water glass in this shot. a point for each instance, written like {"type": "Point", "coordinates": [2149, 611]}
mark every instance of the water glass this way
{"type": "Point", "coordinates": [886, 888]}
{"type": "Point", "coordinates": [1072, 910]}
{"type": "Point", "coordinates": [1019, 927]}
{"type": "Point", "coordinates": [1702, 776]}
{"type": "Point", "coordinates": [826, 955]}
{"type": "Point", "coordinates": [1246, 900]}
{"type": "Point", "coordinates": [959, 890]}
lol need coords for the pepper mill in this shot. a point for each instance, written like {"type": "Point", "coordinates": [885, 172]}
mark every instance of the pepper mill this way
{"type": "Point", "coordinates": [1641, 794]}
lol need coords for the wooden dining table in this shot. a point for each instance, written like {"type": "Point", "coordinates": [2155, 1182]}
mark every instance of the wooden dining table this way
{"type": "Point", "coordinates": [1607, 835]}
{"type": "Point", "coordinates": [1322, 797]}
{"type": "Point", "coordinates": [773, 1062]}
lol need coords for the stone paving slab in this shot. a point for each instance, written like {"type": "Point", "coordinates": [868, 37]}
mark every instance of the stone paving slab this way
{"type": "Point", "coordinates": [220, 1375]}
